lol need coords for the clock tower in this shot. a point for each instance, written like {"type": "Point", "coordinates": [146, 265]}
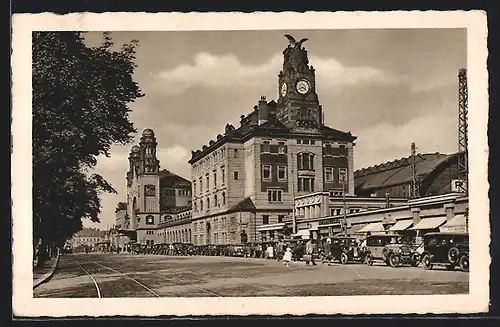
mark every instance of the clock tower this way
{"type": "Point", "coordinates": [298, 105]}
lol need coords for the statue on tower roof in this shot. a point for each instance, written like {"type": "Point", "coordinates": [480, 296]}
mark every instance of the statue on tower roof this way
{"type": "Point", "coordinates": [295, 56]}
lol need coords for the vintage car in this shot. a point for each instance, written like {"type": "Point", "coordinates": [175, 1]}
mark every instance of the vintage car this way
{"type": "Point", "coordinates": [445, 248]}
{"type": "Point", "coordinates": [389, 249]}
{"type": "Point", "coordinates": [401, 253]}
{"type": "Point", "coordinates": [237, 251]}
{"type": "Point", "coordinates": [345, 249]}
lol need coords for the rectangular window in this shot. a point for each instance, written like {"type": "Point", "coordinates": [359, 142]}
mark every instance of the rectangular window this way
{"type": "Point", "coordinates": [332, 212]}
{"type": "Point", "coordinates": [274, 195]}
{"type": "Point", "coordinates": [194, 187]}
{"type": "Point", "coordinates": [306, 184]}
{"type": "Point", "coordinates": [266, 147]}
{"type": "Point", "coordinates": [313, 142]}
{"type": "Point", "coordinates": [266, 172]}
{"type": "Point", "coordinates": [328, 149]}
{"type": "Point", "coordinates": [201, 186]}
{"type": "Point", "coordinates": [236, 175]}
{"type": "Point", "coordinates": [223, 174]}
{"type": "Point", "coordinates": [235, 153]}
{"type": "Point", "coordinates": [305, 161]}
{"type": "Point", "coordinates": [338, 212]}
{"type": "Point", "coordinates": [280, 219]}
{"type": "Point", "coordinates": [281, 147]}
{"type": "Point", "coordinates": [329, 174]}
{"type": "Point", "coordinates": [342, 175]}
{"type": "Point", "coordinates": [299, 142]}
{"type": "Point", "coordinates": [208, 181]}
{"type": "Point", "coordinates": [215, 178]}
{"type": "Point", "coordinates": [305, 141]}
{"type": "Point", "coordinates": [342, 150]}
{"type": "Point", "coordinates": [265, 220]}
{"type": "Point", "coordinates": [282, 173]}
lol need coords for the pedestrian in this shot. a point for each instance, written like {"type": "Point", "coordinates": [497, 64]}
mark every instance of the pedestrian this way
{"type": "Point", "coordinates": [287, 257]}
{"type": "Point", "coordinates": [327, 251]}
{"type": "Point", "coordinates": [309, 252]}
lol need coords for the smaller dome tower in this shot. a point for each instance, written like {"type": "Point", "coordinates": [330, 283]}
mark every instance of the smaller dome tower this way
{"type": "Point", "coordinates": [147, 148]}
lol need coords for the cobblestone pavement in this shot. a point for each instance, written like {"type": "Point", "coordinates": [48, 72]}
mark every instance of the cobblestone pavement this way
{"type": "Point", "coordinates": [125, 275]}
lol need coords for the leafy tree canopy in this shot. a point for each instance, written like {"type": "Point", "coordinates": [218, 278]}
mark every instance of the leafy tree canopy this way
{"type": "Point", "coordinates": [81, 98]}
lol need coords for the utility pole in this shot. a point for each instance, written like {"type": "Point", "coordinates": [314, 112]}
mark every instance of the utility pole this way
{"type": "Point", "coordinates": [294, 218]}
{"type": "Point", "coordinates": [343, 181]}
{"type": "Point", "coordinates": [415, 192]}
{"type": "Point", "coordinates": [462, 155]}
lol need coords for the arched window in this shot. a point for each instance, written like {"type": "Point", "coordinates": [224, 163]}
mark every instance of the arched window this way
{"type": "Point", "coordinates": [216, 203]}
{"type": "Point", "coordinates": [201, 205]}
{"type": "Point", "coordinates": [223, 198]}
{"type": "Point", "coordinates": [208, 203]}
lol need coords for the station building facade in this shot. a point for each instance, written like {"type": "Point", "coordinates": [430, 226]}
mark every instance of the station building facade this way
{"type": "Point", "coordinates": [444, 212]}
{"type": "Point", "coordinates": [248, 177]}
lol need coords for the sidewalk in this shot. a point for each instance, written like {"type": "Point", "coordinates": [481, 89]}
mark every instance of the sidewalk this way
{"type": "Point", "coordinates": [43, 274]}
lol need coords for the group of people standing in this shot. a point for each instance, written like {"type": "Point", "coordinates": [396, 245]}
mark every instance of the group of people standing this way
{"type": "Point", "coordinates": [301, 251]}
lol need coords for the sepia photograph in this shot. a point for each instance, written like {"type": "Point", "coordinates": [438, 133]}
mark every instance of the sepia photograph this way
{"type": "Point", "coordinates": [282, 163]}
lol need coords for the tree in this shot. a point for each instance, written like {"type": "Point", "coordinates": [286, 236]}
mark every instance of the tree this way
{"type": "Point", "coordinates": [81, 98]}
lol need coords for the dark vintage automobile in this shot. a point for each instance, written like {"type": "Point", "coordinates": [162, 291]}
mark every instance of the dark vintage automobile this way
{"type": "Point", "coordinates": [344, 249]}
{"type": "Point", "coordinates": [389, 249]}
{"type": "Point", "coordinates": [446, 248]}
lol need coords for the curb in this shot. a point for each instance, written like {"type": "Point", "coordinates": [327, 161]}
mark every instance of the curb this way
{"type": "Point", "coordinates": [47, 276]}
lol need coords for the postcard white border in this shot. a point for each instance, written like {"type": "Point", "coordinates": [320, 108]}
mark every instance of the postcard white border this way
{"type": "Point", "coordinates": [477, 301]}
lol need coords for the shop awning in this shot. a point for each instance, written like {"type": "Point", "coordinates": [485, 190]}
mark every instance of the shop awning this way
{"type": "Point", "coordinates": [304, 233]}
{"type": "Point", "coordinates": [401, 225]}
{"type": "Point", "coordinates": [372, 227]}
{"type": "Point", "coordinates": [429, 223]}
{"type": "Point", "coordinates": [456, 224]}
{"type": "Point", "coordinates": [355, 228]}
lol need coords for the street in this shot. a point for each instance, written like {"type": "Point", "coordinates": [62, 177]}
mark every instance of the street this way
{"type": "Point", "coordinates": [127, 275]}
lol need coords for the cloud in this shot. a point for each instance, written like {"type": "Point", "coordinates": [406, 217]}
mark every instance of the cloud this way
{"type": "Point", "coordinates": [434, 132]}
{"type": "Point", "coordinates": [228, 72]}
{"type": "Point", "coordinates": [175, 159]}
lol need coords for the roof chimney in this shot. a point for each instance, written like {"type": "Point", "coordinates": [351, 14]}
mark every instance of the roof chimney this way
{"type": "Point", "coordinates": [263, 110]}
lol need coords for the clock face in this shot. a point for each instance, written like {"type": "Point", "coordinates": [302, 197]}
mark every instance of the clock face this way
{"type": "Point", "coordinates": [303, 86]}
{"type": "Point", "coordinates": [283, 89]}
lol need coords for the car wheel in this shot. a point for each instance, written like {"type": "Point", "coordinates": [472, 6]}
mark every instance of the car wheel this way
{"type": "Point", "coordinates": [394, 260]}
{"type": "Point", "coordinates": [369, 260]}
{"type": "Point", "coordinates": [453, 255]}
{"type": "Point", "coordinates": [415, 261]}
{"type": "Point", "coordinates": [426, 262]}
{"type": "Point", "coordinates": [464, 263]}
{"type": "Point", "coordinates": [344, 258]}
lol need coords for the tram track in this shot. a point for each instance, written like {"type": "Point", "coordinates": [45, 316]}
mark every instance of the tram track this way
{"type": "Point", "coordinates": [103, 290]}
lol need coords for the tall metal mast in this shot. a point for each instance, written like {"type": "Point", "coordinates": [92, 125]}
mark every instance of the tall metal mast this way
{"type": "Point", "coordinates": [462, 129]}
{"type": "Point", "coordinates": [414, 192]}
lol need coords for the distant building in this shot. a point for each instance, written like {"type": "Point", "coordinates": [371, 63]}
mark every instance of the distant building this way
{"type": "Point", "coordinates": [89, 237]}
{"type": "Point", "coordinates": [436, 173]}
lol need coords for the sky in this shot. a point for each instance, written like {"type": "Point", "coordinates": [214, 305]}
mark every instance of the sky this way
{"type": "Point", "coordinates": [388, 87]}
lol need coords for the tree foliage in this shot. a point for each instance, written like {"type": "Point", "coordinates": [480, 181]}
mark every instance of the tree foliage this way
{"type": "Point", "coordinates": [81, 98]}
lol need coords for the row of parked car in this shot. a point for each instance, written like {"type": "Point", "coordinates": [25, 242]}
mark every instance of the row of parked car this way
{"type": "Point", "coordinates": [437, 249]}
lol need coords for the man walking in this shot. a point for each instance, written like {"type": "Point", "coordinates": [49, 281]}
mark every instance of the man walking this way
{"type": "Point", "coordinates": [309, 252]}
